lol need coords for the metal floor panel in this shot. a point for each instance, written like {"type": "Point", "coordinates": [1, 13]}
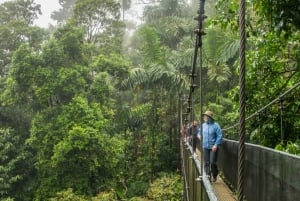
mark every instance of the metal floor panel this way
{"type": "Point", "coordinates": [222, 191]}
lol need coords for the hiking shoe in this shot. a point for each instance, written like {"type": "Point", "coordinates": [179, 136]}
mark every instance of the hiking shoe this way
{"type": "Point", "coordinates": [208, 177]}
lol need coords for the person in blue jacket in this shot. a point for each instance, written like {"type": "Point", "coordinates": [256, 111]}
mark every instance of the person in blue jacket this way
{"type": "Point", "coordinates": [211, 135]}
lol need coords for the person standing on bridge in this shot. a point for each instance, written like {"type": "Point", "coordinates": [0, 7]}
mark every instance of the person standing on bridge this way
{"type": "Point", "coordinates": [193, 131]}
{"type": "Point", "coordinates": [211, 135]}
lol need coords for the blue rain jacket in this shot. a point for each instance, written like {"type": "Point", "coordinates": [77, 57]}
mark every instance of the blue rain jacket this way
{"type": "Point", "coordinates": [211, 134]}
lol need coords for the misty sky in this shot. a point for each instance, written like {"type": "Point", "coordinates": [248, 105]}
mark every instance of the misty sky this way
{"type": "Point", "coordinates": [48, 6]}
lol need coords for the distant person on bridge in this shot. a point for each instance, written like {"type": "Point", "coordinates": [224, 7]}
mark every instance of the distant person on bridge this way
{"type": "Point", "coordinates": [193, 133]}
{"type": "Point", "coordinates": [184, 132]}
{"type": "Point", "coordinates": [211, 137]}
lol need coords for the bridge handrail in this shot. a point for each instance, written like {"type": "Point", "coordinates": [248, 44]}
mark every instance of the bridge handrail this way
{"type": "Point", "coordinates": [271, 174]}
{"type": "Point", "coordinates": [266, 106]}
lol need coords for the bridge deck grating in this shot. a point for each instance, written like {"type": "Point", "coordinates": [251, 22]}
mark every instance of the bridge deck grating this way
{"type": "Point", "coordinates": [222, 191]}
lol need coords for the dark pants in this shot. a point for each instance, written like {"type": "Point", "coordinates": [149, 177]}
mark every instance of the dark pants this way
{"type": "Point", "coordinates": [194, 141]}
{"type": "Point", "coordinates": [210, 162]}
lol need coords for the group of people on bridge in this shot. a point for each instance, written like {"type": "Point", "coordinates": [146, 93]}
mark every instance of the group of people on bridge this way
{"type": "Point", "coordinates": [210, 134]}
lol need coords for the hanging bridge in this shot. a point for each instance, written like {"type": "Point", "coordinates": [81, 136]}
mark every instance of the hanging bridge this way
{"type": "Point", "coordinates": [269, 175]}
{"type": "Point", "coordinates": [247, 171]}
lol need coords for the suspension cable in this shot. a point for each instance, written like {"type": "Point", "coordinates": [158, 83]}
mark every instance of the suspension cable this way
{"type": "Point", "coordinates": [198, 45]}
{"type": "Point", "coordinates": [242, 102]}
{"type": "Point", "coordinates": [202, 17]}
{"type": "Point", "coordinates": [266, 106]}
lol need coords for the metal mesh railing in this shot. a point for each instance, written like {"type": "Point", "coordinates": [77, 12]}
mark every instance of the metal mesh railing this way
{"type": "Point", "coordinates": [270, 175]}
{"type": "Point", "coordinates": [197, 188]}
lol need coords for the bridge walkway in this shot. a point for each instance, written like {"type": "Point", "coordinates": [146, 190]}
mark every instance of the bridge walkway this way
{"type": "Point", "coordinates": [220, 188]}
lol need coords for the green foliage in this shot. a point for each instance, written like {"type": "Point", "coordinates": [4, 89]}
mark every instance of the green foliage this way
{"type": "Point", "coordinates": [154, 13]}
{"type": "Point", "coordinates": [106, 196]}
{"type": "Point", "coordinates": [92, 141]}
{"type": "Point", "coordinates": [21, 78]}
{"type": "Point", "coordinates": [113, 64]}
{"type": "Point", "coordinates": [53, 55]}
{"type": "Point", "coordinates": [34, 80]}
{"type": "Point", "coordinates": [291, 147]}
{"type": "Point", "coordinates": [101, 22]}
{"type": "Point", "coordinates": [151, 48]}
{"type": "Point", "coordinates": [168, 187]}
{"type": "Point", "coordinates": [67, 195]}
{"type": "Point", "coordinates": [65, 12]}
{"type": "Point", "coordinates": [272, 65]}
{"type": "Point", "coordinates": [20, 10]}
{"type": "Point", "coordinates": [65, 93]}
{"type": "Point", "coordinates": [138, 199]}
{"type": "Point", "coordinates": [101, 89]}
{"type": "Point", "coordinates": [270, 57]}
{"type": "Point", "coordinates": [7, 199]}
{"type": "Point", "coordinates": [227, 14]}
{"type": "Point", "coordinates": [16, 19]}
{"type": "Point", "coordinates": [218, 74]}
{"type": "Point", "coordinates": [74, 148]}
{"type": "Point", "coordinates": [15, 167]}
{"type": "Point", "coordinates": [171, 29]}
{"type": "Point", "coordinates": [62, 68]}
{"type": "Point", "coordinates": [283, 15]}
{"type": "Point", "coordinates": [71, 40]}
{"type": "Point", "coordinates": [9, 160]}
{"type": "Point", "coordinates": [137, 188]}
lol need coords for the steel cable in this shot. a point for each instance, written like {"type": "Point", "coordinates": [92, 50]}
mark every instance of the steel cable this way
{"type": "Point", "coordinates": [241, 157]}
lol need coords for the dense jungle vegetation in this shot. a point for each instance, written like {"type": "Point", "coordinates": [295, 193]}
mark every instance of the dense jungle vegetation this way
{"type": "Point", "coordinates": [89, 107]}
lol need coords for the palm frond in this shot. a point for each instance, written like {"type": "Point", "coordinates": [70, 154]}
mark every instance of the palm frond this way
{"type": "Point", "coordinates": [219, 73]}
{"type": "Point", "coordinates": [137, 76]}
{"type": "Point", "coordinates": [168, 77]}
{"type": "Point", "coordinates": [228, 50]}
{"type": "Point", "coordinates": [139, 113]}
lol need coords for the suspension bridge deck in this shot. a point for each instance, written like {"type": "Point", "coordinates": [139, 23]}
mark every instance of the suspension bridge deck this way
{"type": "Point", "coordinates": [222, 191]}
{"type": "Point", "coordinates": [273, 175]}
{"type": "Point", "coordinates": [220, 188]}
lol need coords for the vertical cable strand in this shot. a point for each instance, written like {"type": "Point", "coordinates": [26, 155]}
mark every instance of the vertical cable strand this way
{"type": "Point", "coordinates": [201, 14]}
{"type": "Point", "coordinates": [241, 159]}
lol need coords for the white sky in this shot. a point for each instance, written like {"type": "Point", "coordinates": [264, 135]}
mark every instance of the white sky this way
{"type": "Point", "coordinates": [47, 7]}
